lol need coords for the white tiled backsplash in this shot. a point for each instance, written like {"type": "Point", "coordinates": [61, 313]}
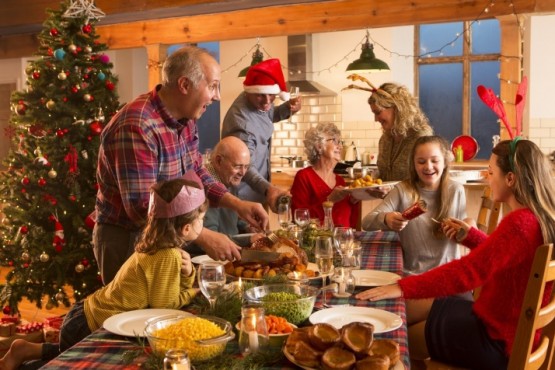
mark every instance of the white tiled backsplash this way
{"type": "Point", "coordinates": [288, 137]}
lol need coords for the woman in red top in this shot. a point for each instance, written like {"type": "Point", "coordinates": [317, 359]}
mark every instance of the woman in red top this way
{"type": "Point", "coordinates": [317, 183]}
{"type": "Point", "coordinates": [480, 335]}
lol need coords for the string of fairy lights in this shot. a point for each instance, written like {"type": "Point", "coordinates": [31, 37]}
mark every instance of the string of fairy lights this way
{"type": "Point", "coordinates": [243, 59]}
{"type": "Point", "coordinates": [356, 49]}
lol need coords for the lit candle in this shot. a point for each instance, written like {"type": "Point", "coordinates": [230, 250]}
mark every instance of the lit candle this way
{"type": "Point", "coordinates": [253, 336]}
{"type": "Point", "coordinates": [181, 367]}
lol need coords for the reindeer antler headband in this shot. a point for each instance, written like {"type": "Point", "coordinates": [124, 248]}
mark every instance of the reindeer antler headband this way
{"type": "Point", "coordinates": [373, 89]}
{"type": "Point", "coordinates": [496, 105]}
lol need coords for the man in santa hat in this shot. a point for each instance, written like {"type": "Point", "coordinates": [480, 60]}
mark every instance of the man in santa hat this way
{"type": "Point", "coordinates": [251, 118]}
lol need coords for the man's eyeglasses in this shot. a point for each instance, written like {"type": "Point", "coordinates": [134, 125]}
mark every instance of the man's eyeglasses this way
{"type": "Point", "coordinates": [238, 167]}
{"type": "Point", "coordinates": [335, 140]}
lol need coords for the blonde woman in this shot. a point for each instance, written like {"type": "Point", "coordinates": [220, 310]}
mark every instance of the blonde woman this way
{"type": "Point", "coordinates": [402, 122]}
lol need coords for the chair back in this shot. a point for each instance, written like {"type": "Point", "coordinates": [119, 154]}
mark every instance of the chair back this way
{"type": "Point", "coordinates": [534, 317]}
{"type": "Point", "coordinates": [488, 216]}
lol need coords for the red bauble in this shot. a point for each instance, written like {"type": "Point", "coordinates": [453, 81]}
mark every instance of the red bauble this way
{"type": "Point", "coordinates": [89, 222]}
{"type": "Point", "coordinates": [95, 127]}
{"type": "Point", "coordinates": [10, 263]}
{"type": "Point", "coordinates": [110, 85]}
{"type": "Point", "coordinates": [74, 89]}
{"type": "Point", "coordinates": [7, 310]}
{"type": "Point", "coordinates": [36, 75]}
{"type": "Point", "coordinates": [25, 181]}
{"type": "Point", "coordinates": [50, 52]}
{"type": "Point", "coordinates": [72, 198]}
{"type": "Point", "coordinates": [37, 130]}
{"type": "Point", "coordinates": [41, 181]}
{"type": "Point", "coordinates": [87, 28]}
{"type": "Point", "coordinates": [59, 133]}
{"type": "Point", "coordinates": [54, 32]}
{"type": "Point", "coordinates": [24, 229]}
{"type": "Point", "coordinates": [21, 108]}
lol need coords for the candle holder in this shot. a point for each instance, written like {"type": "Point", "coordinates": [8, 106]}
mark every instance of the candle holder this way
{"type": "Point", "coordinates": [297, 277]}
{"type": "Point", "coordinates": [177, 359]}
{"type": "Point", "coordinates": [253, 333]}
{"type": "Point", "coordinates": [345, 281]}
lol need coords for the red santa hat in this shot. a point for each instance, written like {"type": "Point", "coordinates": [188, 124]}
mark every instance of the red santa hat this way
{"type": "Point", "coordinates": [266, 78]}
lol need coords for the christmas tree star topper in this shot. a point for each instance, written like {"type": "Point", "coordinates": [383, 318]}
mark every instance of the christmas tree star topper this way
{"type": "Point", "coordinates": [79, 8]}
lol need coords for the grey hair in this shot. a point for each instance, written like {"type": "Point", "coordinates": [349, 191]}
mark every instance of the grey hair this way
{"type": "Point", "coordinates": [186, 61]}
{"type": "Point", "coordinates": [314, 140]}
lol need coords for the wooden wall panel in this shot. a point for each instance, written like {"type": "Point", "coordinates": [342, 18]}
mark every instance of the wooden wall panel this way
{"type": "Point", "coordinates": [322, 16]}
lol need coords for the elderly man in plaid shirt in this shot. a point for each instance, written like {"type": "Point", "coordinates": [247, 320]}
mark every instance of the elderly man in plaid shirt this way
{"type": "Point", "coordinates": [153, 138]}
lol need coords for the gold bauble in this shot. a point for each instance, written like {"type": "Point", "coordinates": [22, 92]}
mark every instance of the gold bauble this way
{"type": "Point", "coordinates": [52, 173]}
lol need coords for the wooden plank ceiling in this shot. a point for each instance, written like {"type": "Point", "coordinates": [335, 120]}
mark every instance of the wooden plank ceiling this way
{"type": "Point", "coordinates": [136, 23]}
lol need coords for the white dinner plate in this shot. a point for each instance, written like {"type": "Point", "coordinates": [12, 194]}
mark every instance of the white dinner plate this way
{"type": "Point", "coordinates": [201, 259]}
{"type": "Point", "coordinates": [398, 366]}
{"type": "Point", "coordinates": [361, 194]}
{"type": "Point", "coordinates": [382, 320]}
{"type": "Point", "coordinates": [374, 277]}
{"type": "Point", "coordinates": [133, 323]}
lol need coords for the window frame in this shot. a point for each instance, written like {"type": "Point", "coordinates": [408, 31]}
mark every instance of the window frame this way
{"type": "Point", "coordinates": [510, 68]}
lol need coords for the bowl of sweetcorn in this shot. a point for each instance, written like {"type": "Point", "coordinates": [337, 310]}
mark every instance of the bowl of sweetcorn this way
{"type": "Point", "coordinates": [203, 337]}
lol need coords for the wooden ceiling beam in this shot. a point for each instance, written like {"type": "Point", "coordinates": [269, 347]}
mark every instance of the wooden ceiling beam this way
{"type": "Point", "coordinates": [324, 16]}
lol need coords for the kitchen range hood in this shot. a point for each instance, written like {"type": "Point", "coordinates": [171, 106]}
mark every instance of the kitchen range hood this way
{"type": "Point", "coordinates": [299, 62]}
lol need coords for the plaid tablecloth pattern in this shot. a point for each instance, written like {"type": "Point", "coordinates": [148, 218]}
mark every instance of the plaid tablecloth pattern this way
{"type": "Point", "coordinates": [381, 251]}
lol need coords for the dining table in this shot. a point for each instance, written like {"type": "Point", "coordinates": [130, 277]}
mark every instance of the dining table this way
{"type": "Point", "coordinates": [381, 251]}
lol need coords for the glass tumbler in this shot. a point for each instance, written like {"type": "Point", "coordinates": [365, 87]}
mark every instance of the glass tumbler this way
{"type": "Point", "coordinates": [177, 359]}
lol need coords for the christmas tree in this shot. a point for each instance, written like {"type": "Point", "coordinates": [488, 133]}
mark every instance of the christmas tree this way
{"type": "Point", "coordinates": [49, 188]}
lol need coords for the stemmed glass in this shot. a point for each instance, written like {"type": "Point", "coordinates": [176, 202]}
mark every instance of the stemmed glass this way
{"type": "Point", "coordinates": [302, 217]}
{"type": "Point", "coordinates": [211, 280]}
{"type": "Point", "coordinates": [293, 94]}
{"type": "Point", "coordinates": [284, 215]}
{"type": "Point", "coordinates": [323, 253]}
{"type": "Point", "coordinates": [343, 238]}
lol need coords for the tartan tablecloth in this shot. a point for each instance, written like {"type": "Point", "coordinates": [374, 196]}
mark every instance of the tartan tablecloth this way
{"type": "Point", "coordinates": [380, 251]}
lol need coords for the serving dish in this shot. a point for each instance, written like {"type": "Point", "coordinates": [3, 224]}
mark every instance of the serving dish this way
{"type": "Point", "coordinates": [361, 194]}
{"type": "Point", "coordinates": [294, 311]}
{"type": "Point", "coordinates": [398, 366]}
{"type": "Point", "coordinates": [171, 332]}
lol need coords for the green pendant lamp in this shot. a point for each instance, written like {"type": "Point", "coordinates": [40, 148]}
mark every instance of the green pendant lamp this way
{"type": "Point", "coordinates": [367, 63]}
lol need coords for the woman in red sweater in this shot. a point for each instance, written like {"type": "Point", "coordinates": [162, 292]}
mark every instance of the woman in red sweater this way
{"type": "Point", "coordinates": [480, 335]}
{"type": "Point", "coordinates": [317, 183]}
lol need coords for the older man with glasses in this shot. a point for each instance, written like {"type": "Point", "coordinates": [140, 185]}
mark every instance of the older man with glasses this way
{"type": "Point", "coordinates": [229, 162]}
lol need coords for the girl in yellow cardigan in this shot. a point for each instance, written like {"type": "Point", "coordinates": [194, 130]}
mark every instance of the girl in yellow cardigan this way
{"type": "Point", "coordinates": [158, 275]}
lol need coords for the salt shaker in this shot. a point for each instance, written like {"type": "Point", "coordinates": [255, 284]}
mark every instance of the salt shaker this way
{"type": "Point", "coordinates": [177, 359]}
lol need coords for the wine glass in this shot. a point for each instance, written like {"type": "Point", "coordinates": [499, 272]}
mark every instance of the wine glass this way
{"type": "Point", "coordinates": [302, 217]}
{"type": "Point", "coordinates": [343, 238]}
{"type": "Point", "coordinates": [284, 215]}
{"type": "Point", "coordinates": [293, 94]}
{"type": "Point", "coordinates": [323, 253]}
{"type": "Point", "coordinates": [211, 280]}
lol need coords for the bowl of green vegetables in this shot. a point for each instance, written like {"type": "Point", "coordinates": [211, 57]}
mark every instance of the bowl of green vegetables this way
{"type": "Point", "coordinates": [291, 301]}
